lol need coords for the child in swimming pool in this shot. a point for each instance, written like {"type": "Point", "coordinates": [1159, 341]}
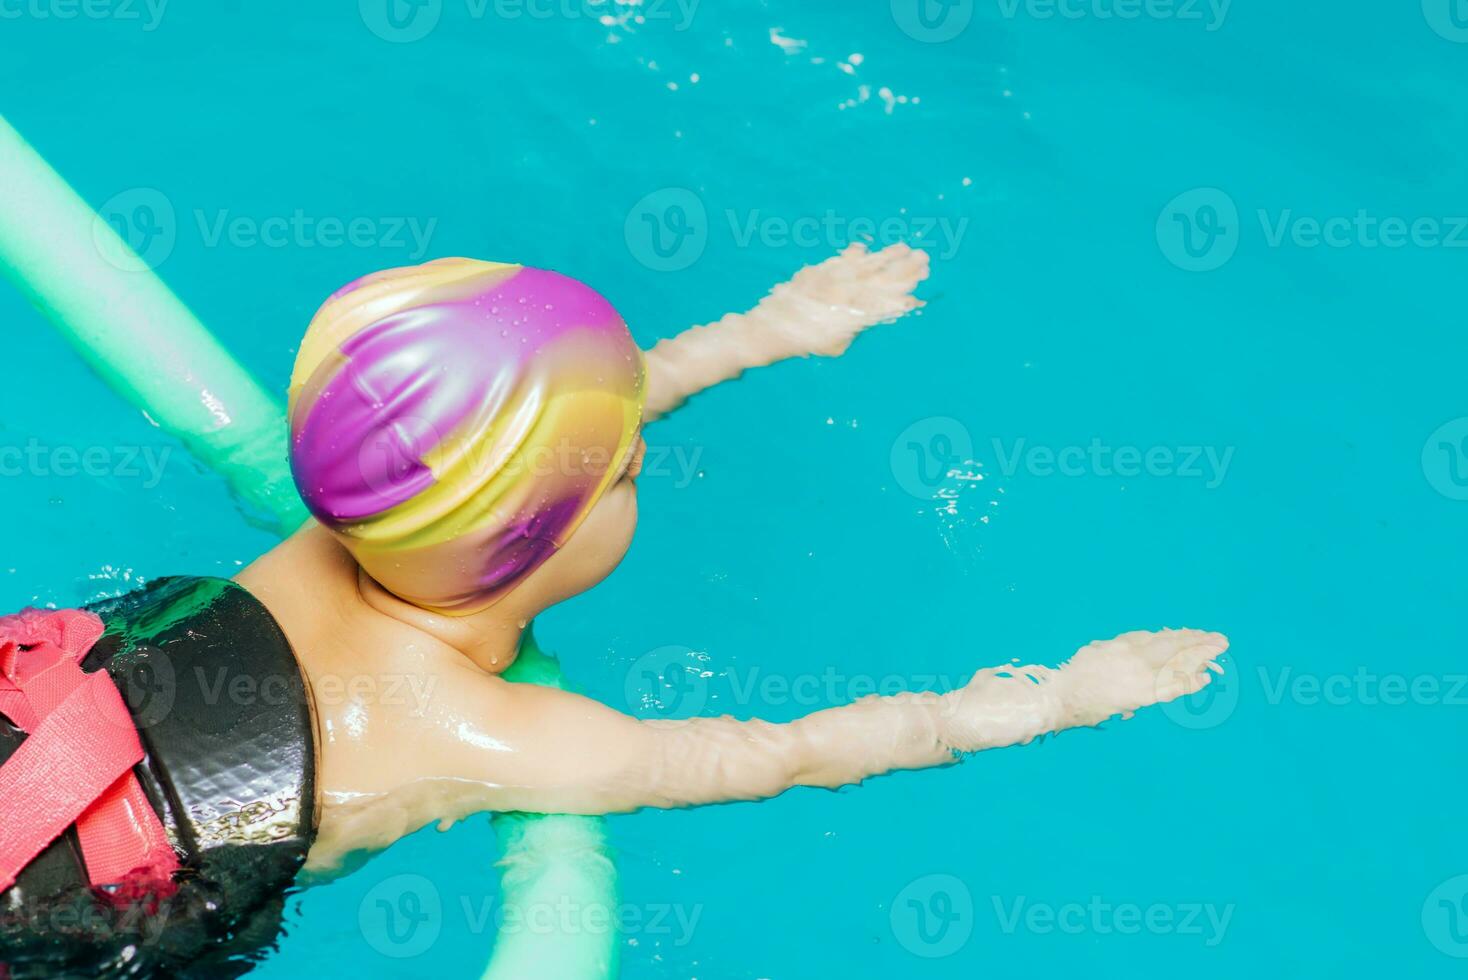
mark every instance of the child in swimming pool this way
{"type": "Point", "coordinates": [469, 437]}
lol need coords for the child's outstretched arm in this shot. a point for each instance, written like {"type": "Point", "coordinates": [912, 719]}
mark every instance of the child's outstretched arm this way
{"type": "Point", "coordinates": [819, 312]}
{"type": "Point", "coordinates": [558, 752]}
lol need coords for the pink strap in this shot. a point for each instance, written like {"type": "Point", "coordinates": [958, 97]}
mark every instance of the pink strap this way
{"type": "Point", "coordinates": [76, 764]}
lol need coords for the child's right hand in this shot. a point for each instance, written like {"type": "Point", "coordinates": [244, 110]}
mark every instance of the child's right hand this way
{"type": "Point", "coordinates": [1014, 705]}
{"type": "Point", "coordinates": [852, 292]}
{"type": "Point", "coordinates": [819, 312]}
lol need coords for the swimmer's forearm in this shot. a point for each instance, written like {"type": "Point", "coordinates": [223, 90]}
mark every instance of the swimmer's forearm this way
{"type": "Point", "coordinates": [699, 358]}
{"type": "Point", "coordinates": [819, 312]}
{"type": "Point", "coordinates": [716, 760]}
{"type": "Point", "coordinates": [722, 760]}
{"type": "Point", "coordinates": [605, 762]}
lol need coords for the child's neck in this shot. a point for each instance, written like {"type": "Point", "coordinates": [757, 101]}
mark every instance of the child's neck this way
{"type": "Point", "coordinates": [490, 638]}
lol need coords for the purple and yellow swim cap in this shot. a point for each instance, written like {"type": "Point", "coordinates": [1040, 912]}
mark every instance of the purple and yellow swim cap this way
{"type": "Point", "coordinates": [454, 422]}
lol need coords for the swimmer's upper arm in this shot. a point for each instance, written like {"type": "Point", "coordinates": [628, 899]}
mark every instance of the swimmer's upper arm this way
{"type": "Point", "coordinates": [558, 752]}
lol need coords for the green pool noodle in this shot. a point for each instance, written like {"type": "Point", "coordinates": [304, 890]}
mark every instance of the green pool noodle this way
{"type": "Point", "coordinates": [146, 344]}
{"type": "Point", "coordinates": [557, 867]}
{"type": "Point", "coordinates": [137, 335]}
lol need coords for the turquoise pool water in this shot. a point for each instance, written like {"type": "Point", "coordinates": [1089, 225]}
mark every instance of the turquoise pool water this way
{"type": "Point", "coordinates": [1195, 314]}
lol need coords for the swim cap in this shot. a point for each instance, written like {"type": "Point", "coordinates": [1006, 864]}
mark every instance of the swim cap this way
{"type": "Point", "coordinates": [454, 422]}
